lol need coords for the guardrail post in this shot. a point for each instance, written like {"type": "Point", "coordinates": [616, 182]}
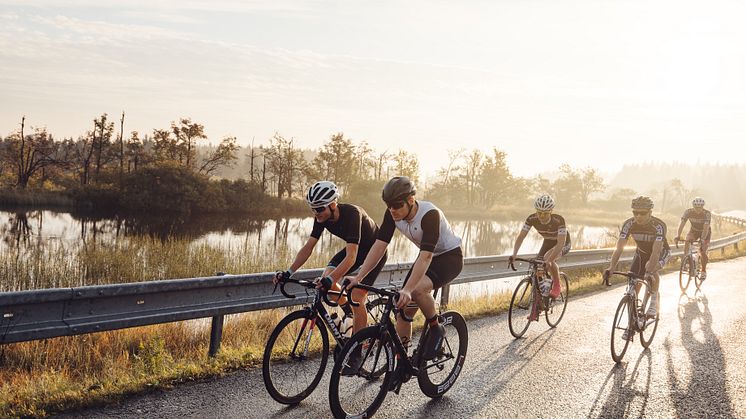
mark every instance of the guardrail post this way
{"type": "Point", "coordinates": [735, 246]}
{"type": "Point", "coordinates": [445, 294]}
{"type": "Point", "coordinates": [216, 335]}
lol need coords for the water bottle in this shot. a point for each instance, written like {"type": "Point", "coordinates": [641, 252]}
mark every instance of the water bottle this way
{"type": "Point", "coordinates": [346, 326]}
{"type": "Point", "coordinates": [337, 322]}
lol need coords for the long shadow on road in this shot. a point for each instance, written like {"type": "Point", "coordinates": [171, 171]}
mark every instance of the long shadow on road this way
{"type": "Point", "coordinates": [627, 395]}
{"type": "Point", "coordinates": [699, 388]}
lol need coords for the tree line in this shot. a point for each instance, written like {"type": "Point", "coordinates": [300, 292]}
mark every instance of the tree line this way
{"type": "Point", "coordinates": [178, 168]}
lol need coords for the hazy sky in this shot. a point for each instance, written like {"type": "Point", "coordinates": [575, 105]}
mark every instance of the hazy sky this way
{"type": "Point", "coordinates": [588, 82]}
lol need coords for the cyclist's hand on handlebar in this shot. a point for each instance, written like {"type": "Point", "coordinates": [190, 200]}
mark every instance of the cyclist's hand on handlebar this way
{"type": "Point", "coordinates": [281, 277]}
{"type": "Point", "coordinates": [324, 283]}
{"type": "Point", "coordinates": [405, 296]}
{"type": "Point", "coordinates": [349, 282]}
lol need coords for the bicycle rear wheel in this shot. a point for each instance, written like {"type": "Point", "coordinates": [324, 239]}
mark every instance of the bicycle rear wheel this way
{"type": "Point", "coordinates": [363, 393]}
{"type": "Point", "coordinates": [295, 357]}
{"type": "Point", "coordinates": [651, 325]}
{"type": "Point", "coordinates": [520, 308]}
{"type": "Point", "coordinates": [685, 273]}
{"type": "Point", "coordinates": [621, 323]}
{"type": "Point", "coordinates": [437, 376]}
{"type": "Point", "coordinates": [556, 307]}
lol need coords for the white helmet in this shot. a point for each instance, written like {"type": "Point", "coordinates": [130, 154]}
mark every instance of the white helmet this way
{"type": "Point", "coordinates": [544, 203]}
{"type": "Point", "coordinates": [698, 202]}
{"type": "Point", "coordinates": [322, 194]}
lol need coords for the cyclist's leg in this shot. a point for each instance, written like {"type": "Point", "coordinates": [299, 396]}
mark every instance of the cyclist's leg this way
{"type": "Point", "coordinates": [556, 253]}
{"type": "Point", "coordinates": [404, 325]}
{"type": "Point", "coordinates": [333, 263]}
{"type": "Point", "coordinates": [360, 316]}
{"type": "Point", "coordinates": [705, 244]}
{"type": "Point", "coordinates": [546, 253]}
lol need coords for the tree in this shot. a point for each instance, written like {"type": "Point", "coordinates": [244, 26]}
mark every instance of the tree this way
{"type": "Point", "coordinates": [495, 179]}
{"type": "Point", "coordinates": [406, 164]}
{"type": "Point", "coordinates": [224, 155]}
{"type": "Point", "coordinates": [336, 160]}
{"type": "Point", "coordinates": [285, 163]}
{"type": "Point", "coordinates": [29, 154]}
{"type": "Point", "coordinates": [591, 182]}
{"type": "Point", "coordinates": [186, 135]}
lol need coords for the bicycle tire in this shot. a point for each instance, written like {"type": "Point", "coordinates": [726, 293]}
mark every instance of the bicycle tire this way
{"type": "Point", "coordinates": [559, 302]}
{"type": "Point", "coordinates": [370, 337]}
{"type": "Point", "coordinates": [271, 377]}
{"type": "Point", "coordinates": [621, 316]}
{"type": "Point", "coordinates": [520, 309]}
{"type": "Point", "coordinates": [684, 274]}
{"type": "Point", "coordinates": [453, 322]}
{"type": "Point", "coordinates": [646, 341]}
{"type": "Point", "coordinates": [697, 276]}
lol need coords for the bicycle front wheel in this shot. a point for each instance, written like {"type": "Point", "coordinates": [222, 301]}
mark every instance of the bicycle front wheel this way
{"type": "Point", "coordinates": [437, 376]}
{"type": "Point", "coordinates": [557, 306]}
{"type": "Point", "coordinates": [621, 324]}
{"type": "Point", "coordinates": [651, 325]}
{"type": "Point", "coordinates": [354, 391]}
{"type": "Point", "coordinates": [685, 273]}
{"type": "Point", "coordinates": [520, 308]}
{"type": "Point", "coordinates": [697, 276]}
{"type": "Point", "coordinates": [295, 357]}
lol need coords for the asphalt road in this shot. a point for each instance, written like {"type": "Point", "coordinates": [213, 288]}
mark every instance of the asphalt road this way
{"type": "Point", "coordinates": [694, 368]}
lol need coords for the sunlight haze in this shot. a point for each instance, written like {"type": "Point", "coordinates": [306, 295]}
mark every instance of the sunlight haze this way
{"type": "Point", "coordinates": [589, 83]}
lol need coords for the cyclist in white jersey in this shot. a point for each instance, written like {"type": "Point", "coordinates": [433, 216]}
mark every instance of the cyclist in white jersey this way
{"type": "Point", "coordinates": [439, 262]}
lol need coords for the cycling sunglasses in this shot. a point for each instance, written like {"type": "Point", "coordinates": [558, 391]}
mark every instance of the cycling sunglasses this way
{"type": "Point", "coordinates": [641, 212]}
{"type": "Point", "coordinates": [395, 205]}
{"type": "Point", "coordinates": [318, 210]}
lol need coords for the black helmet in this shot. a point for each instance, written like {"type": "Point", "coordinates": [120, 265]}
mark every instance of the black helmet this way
{"type": "Point", "coordinates": [397, 189]}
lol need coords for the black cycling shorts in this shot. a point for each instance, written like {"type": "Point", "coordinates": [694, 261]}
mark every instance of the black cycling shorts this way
{"type": "Point", "coordinates": [641, 259]}
{"type": "Point", "coordinates": [443, 268]}
{"type": "Point", "coordinates": [372, 275]}
{"type": "Point", "coordinates": [549, 244]}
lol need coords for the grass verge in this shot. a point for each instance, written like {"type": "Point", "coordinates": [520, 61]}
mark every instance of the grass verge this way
{"type": "Point", "coordinates": [42, 377]}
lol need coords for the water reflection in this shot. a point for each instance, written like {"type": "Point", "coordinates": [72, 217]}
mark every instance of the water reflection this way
{"type": "Point", "coordinates": [24, 229]}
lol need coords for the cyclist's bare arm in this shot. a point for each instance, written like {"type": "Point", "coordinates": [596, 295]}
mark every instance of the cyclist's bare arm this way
{"type": "Point", "coordinates": [419, 269]}
{"type": "Point", "coordinates": [653, 266]}
{"type": "Point", "coordinates": [681, 227]}
{"type": "Point", "coordinates": [519, 241]}
{"type": "Point", "coordinates": [374, 256]}
{"type": "Point", "coordinates": [347, 262]}
{"type": "Point", "coordinates": [617, 253]}
{"type": "Point", "coordinates": [303, 254]}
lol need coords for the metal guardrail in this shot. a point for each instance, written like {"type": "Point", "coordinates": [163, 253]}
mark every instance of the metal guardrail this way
{"type": "Point", "coordinates": [48, 313]}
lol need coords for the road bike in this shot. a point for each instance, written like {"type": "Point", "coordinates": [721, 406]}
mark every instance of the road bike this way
{"type": "Point", "coordinates": [630, 317]}
{"type": "Point", "coordinates": [297, 350]}
{"type": "Point", "coordinates": [361, 390]}
{"type": "Point", "coordinates": [527, 303]}
{"type": "Point", "coordinates": [690, 266]}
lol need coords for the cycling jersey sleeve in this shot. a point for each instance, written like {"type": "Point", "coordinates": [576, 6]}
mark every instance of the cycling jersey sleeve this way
{"type": "Point", "coordinates": [685, 216]}
{"type": "Point", "coordinates": [317, 230]}
{"type": "Point", "coordinates": [430, 230]}
{"type": "Point", "coordinates": [624, 233]}
{"type": "Point", "coordinates": [527, 224]}
{"type": "Point", "coordinates": [561, 227]}
{"type": "Point", "coordinates": [660, 232]}
{"type": "Point", "coordinates": [386, 231]}
{"type": "Point", "coordinates": [353, 223]}
{"type": "Point", "coordinates": [708, 217]}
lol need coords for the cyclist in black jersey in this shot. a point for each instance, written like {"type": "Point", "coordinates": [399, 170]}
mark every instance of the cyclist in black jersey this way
{"type": "Point", "coordinates": [700, 219]}
{"type": "Point", "coordinates": [439, 262]}
{"type": "Point", "coordinates": [652, 248]}
{"type": "Point", "coordinates": [353, 225]}
{"type": "Point", "coordinates": [556, 240]}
